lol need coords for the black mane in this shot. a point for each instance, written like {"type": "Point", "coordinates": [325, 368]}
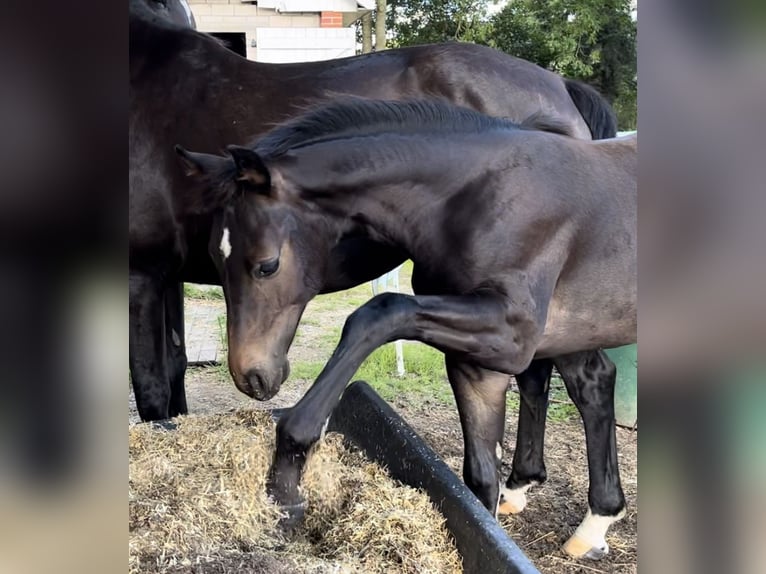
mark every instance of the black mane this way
{"type": "Point", "coordinates": [352, 116]}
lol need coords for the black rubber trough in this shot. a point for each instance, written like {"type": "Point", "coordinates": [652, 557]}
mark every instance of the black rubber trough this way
{"type": "Point", "coordinates": [368, 422]}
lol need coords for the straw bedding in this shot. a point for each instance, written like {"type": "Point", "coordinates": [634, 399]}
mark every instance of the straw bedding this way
{"type": "Point", "coordinates": [197, 503]}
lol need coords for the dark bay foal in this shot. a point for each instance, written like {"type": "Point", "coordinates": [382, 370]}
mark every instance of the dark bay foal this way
{"type": "Point", "coordinates": [524, 251]}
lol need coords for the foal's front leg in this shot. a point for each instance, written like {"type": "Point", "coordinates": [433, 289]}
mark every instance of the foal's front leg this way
{"type": "Point", "coordinates": [480, 397]}
{"type": "Point", "coordinates": [483, 329]}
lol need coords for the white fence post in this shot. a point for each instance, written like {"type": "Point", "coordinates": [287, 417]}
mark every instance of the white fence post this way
{"type": "Point", "coordinates": [378, 286]}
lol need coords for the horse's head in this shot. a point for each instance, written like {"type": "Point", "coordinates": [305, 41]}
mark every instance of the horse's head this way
{"type": "Point", "coordinates": [177, 12]}
{"type": "Point", "coordinates": [271, 265]}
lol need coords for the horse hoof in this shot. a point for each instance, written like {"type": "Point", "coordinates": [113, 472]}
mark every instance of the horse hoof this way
{"type": "Point", "coordinates": [292, 516]}
{"type": "Point", "coordinates": [577, 547]}
{"type": "Point", "coordinates": [512, 501]}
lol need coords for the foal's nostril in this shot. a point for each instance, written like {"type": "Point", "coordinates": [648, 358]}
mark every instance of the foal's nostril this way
{"type": "Point", "coordinates": [259, 386]}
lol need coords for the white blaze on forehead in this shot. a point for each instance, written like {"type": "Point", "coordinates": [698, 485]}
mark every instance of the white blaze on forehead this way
{"type": "Point", "coordinates": [188, 11]}
{"type": "Point", "coordinates": [225, 246]}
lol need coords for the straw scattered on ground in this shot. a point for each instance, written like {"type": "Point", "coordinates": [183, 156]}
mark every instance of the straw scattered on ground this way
{"type": "Point", "coordinates": [198, 504]}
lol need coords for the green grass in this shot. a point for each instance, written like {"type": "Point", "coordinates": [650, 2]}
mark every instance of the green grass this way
{"type": "Point", "coordinates": [212, 293]}
{"type": "Point", "coordinates": [425, 377]}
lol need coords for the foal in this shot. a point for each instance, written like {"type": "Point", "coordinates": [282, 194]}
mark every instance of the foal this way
{"type": "Point", "coordinates": [524, 251]}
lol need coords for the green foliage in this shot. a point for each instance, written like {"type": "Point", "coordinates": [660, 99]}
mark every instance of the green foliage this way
{"type": "Point", "coordinates": [590, 40]}
{"type": "Point", "coordinates": [411, 22]}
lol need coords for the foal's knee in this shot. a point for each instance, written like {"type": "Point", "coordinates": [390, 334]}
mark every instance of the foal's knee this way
{"type": "Point", "coordinates": [296, 434]}
{"type": "Point", "coordinates": [383, 307]}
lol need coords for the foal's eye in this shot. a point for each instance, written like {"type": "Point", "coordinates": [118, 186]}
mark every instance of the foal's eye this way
{"type": "Point", "coordinates": [267, 268]}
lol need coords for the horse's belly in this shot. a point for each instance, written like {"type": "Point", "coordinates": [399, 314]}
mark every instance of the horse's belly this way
{"type": "Point", "coordinates": [570, 331]}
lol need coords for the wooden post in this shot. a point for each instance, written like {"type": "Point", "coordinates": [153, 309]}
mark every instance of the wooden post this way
{"type": "Point", "coordinates": [367, 33]}
{"type": "Point", "coordinates": [380, 26]}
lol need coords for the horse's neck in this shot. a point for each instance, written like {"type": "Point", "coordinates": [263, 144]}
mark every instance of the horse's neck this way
{"type": "Point", "coordinates": [388, 201]}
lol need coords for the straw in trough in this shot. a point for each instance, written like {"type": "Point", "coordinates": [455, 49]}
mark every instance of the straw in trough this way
{"type": "Point", "coordinates": [198, 504]}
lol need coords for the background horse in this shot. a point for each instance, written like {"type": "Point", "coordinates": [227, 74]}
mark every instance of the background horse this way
{"type": "Point", "coordinates": [176, 12]}
{"type": "Point", "coordinates": [185, 87]}
{"type": "Point", "coordinates": [524, 249]}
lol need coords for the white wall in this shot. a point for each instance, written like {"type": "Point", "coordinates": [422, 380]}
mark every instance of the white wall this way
{"type": "Point", "coordinates": [283, 45]}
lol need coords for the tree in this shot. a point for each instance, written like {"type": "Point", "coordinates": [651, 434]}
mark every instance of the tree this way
{"type": "Point", "coordinates": [367, 33]}
{"type": "Point", "coordinates": [589, 40]}
{"type": "Point", "coordinates": [414, 22]}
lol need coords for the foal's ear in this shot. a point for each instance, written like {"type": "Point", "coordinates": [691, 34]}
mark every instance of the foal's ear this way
{"type": "Point", "coordinates": [250, 167]}
{"type": "Point", "coordinates": [210, 192]}
{"type": "Point", "coordinates": [200, 164]}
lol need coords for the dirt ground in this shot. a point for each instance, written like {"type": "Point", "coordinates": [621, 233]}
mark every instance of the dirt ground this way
{"type": "Point", "coordinates": [555, 508]}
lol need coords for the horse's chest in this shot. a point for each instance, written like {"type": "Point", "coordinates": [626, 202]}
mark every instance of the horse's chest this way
{"type": "Point", "coordinates": [426, 281]}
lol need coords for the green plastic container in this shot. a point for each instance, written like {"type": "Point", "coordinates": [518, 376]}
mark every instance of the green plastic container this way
{"type": "Point", "coordinates": [626, 387]}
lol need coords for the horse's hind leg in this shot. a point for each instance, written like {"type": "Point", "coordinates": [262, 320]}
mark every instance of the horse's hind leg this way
{"type": "Point", "coordinates": [590, 378]}
{"type": "Point", "coordinates": [175, 347]}
{"type": "Point", "coordinates": [528, 467]}
{"type": "Point", "coordinates": [480, 397]}
{"type": "Point", "coordinates": [148, 360]}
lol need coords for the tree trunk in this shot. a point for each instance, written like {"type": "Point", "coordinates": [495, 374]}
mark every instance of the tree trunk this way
{"type": "Point", "coordinates": [380, 26]}
{"type": "Point", "coordinates": [367, 33]}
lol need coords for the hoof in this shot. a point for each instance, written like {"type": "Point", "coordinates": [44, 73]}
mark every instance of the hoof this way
{"type": "Point", "coordinates": [292, 516]}
{"type": "Point", "coordinates": [578, 547]}
{"type": "Point", "coordinates": [512, 501]}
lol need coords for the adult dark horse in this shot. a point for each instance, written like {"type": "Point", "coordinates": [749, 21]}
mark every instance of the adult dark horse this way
{"type": "Point", "coordinates": [177, 12]}
{"type": "Point", "coordinates": [187, 88]}
{"type": "Point", "coordinates": [524, 251]}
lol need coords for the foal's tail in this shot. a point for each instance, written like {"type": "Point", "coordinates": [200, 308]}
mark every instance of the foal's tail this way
{"type": "Point", "coordinates": [595, 110]}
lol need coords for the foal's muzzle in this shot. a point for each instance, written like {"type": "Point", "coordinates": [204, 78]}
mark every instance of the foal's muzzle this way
{"type": "Point", "coordinates": [262, 384]}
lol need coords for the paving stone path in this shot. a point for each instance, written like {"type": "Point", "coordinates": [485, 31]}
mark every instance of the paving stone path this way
{"type": "Point", "coordinates": [205, 329]}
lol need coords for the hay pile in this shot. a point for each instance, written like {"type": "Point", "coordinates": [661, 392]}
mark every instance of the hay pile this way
{"type": "Point", "coordinates": [198, 504]}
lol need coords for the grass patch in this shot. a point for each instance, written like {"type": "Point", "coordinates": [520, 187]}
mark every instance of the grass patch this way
{"type": "Point", "coordinates": [425, 377]}
{"type": "Point", "coordinates": [560, 406]}
{"type": "Point", "coordinates": [207, 293]}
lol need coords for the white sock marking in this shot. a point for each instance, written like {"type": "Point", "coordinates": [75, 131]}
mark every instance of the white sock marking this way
{"type": "Point", "coordinates": [593, 529]}
{"type": "Point", "coordinates": [517, 497]}
{"type": "Point", "coordinates": [225, 246]}
{"type": "Point", "coordinates": [499, 452]}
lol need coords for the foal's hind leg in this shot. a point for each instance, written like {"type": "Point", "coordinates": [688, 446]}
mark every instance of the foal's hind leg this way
{"type": "Point", "coordinates": [590, 378]}
{"type": "Point", "coordinates": [175, 347]}
{"type": "Point", "coordinates": [528, 467]}
{"type": "Point", "coordinates": [480, 397]}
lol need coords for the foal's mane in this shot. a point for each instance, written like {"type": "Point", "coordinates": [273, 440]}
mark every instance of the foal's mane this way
{"type": "Point", "coordinates": [350, 116]}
